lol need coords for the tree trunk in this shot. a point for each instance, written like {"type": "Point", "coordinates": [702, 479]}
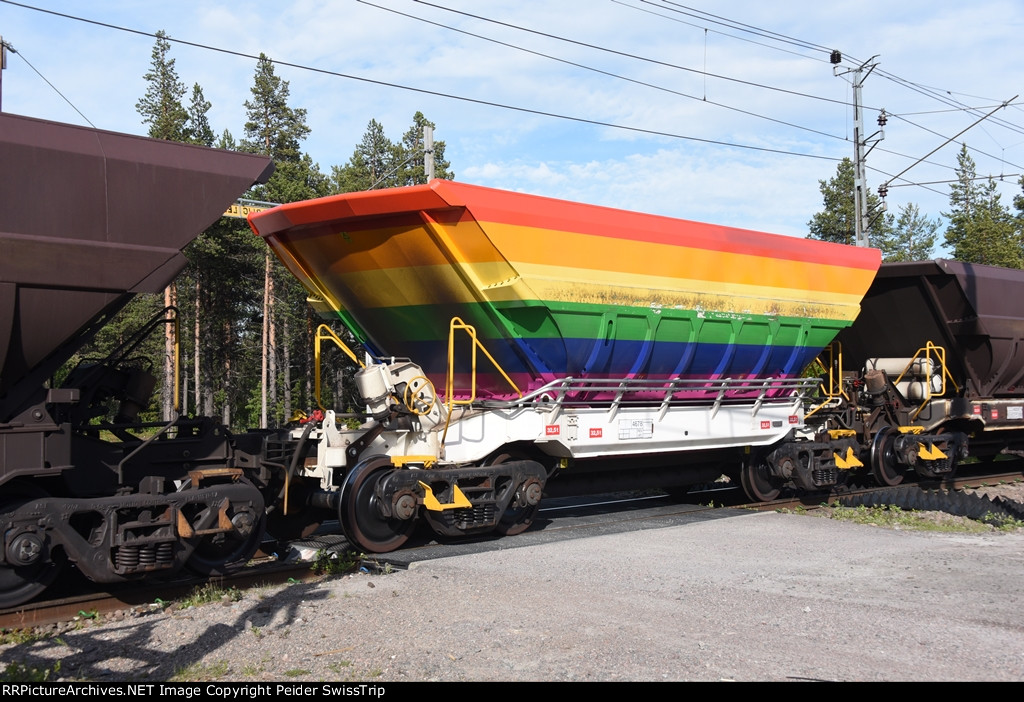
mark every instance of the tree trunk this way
{"type": "Point", "coordinates": [272, 350]}
{"type": "Point", "coordinates": [265, 342]}
{"type": "Point", "coordinates": [226, 409]}
{"type": "Point", "coordinates": [310, 332]}
{"type": "Point", "coordinates": [287, 363]}
{"type": "Point", "coordinates": [196, 352]}
{"type": "Point", "coordinates": [170, 299]}
{"type": "Point", "coordinates": [339, 389]}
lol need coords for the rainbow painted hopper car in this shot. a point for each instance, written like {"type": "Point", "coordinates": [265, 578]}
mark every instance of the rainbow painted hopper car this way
{"type": "Point", "coordinates": [515, 347]}
{"type": "Point", "coordinates": [512, 337]}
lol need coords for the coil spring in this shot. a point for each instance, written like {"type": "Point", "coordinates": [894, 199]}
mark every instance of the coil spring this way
{"type": "Point", "coordinates": [127, 558]}
{"type": "Point", "coordinates": [130, 558]}
{"type": "Point", "coordinates": [825, 476]}
{"type": "Point", "coordinates": [473, 516]}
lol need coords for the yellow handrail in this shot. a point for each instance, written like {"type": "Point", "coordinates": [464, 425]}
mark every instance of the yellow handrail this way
{"type": "Point", "coordinates": [834, 377]}
{"type": "Point", "coordinates": [449, 386]}
{"type": "Point", "coordinates": [940, 356]}
{"type": "Point", "coordinates": [324, 332]}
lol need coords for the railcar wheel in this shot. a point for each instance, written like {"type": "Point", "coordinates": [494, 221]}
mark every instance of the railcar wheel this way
{"type": "Point", "coordinates": [518, 517]}
{"type": "Point", "coordinates": [364, 526]}
{"type": "Point", "coordinates": [226, 552]}
{"type": "Point", "coordinates": [757, 480]}
{"type": "Point", "coordinates": [884, 468]}
{"type": "Point", "coordinates": [19, 584]}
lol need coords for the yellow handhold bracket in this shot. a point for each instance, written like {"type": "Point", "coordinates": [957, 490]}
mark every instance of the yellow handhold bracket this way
{"type": "Point", "coordinates": [848, 461]}
{"type": "Point", "coordinates": [930, 452]}
{"type": "Point", "coordinates": [459, 500]}
{"type": "Point", "coordinates": [428, 461]}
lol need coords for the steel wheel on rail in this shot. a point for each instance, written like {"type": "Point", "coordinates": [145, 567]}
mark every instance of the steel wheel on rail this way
{"type": "Point", "coordinates": [358, 509]}
{"type": "Point", "coordinates": [884, 467]}
{"type": "Point", "coordinates": [228, 551]}
{"type": "Point", "coordinates": [519, 515]}
{"type": "Point", "coordinates": [21, 583]}
{"type": "Point", "coordinates": [757, 480]}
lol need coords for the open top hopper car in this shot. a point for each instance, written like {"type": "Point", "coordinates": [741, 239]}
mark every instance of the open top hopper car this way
{"type": "Point", "coordinates": [948, 336]}
{"type": "Point", "coordinates": [557, 289]}
{"type": "Point", "coordinates": [88, 219]}
{"type": "Point", "coordinates": [547, 336]}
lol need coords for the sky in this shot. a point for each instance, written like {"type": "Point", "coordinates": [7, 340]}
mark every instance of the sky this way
{"type": "Point", "coordinates": [727, 112]}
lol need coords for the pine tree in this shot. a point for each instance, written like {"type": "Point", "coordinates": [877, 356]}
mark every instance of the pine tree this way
{"type": "Point", "coordinates": [373, 165]}
{"type": "Point", "coordinates": [273, 128]}
{"type": "Point", "coordinates": [981, 229]}
{"type": "Point", "coordinates": [962, 202]}
{"type": "Point", "coordinates": [911, 239]}
{"type": "Point", "coordinates": [162, 110]}
{"type": "Point", "coordinates": [1018, 199]}
{"type": "Point", "coordinates": [198, 129]}
{"type": "Point", "coordinates": [277, 130]}
{"type": "Point", "coordinates": [1018, 218]}
{"type": "Point", "coordinates": [837, 222]}
{"type": "Point", "coordinates": [410, 155]}
{"type": "Point", "coordinates": [161, 107]}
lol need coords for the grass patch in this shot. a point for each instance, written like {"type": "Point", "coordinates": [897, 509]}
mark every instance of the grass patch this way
{"type": "Point", "coordinates": [251, 670]}
{"type": "Point", "coordinates": [19, 636]}
{"type": "Point", "coordinates": [331, 563]}
{"type": "Point", "coordinates": [208, 592]}
{"type": "Point", "coordinates": [1003, 522]}
{"type": "Point", "coordinates": [913, 520]}
{"type": "Point", "coordinates": [198, 672]}
{"type": "Point", "coordinates": [19, 672]}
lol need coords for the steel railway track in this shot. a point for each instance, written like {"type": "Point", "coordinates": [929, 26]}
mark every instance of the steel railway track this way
{"type": "Point", "coordinates": [560, 519]}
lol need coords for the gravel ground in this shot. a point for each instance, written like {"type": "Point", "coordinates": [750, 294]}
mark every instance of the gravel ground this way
{"type": "Point", "coordinates": [752, 597]}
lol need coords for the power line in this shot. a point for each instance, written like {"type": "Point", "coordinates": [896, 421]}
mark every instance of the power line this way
{"type": "Point", "coordinates": [733, 24]}
{"type": "Point", "coordinates": [600, 71]}
{"type": "Point", "coordinates": [10, 48]}
{"type": "Point", "coordinates": [424, 91]}
{"type": "Point", "coordinates": [705, 17]}
{"type": "Point", "coordinates": [954, 180]}
{"type": "Point", "coordinates": [972, 148]}
{"type": "Point", "coordinates": [934, 93]}
{"type": "Point", "coordinates": [632, 56]}
{"type": "Point", "coordinates": [926, 91]}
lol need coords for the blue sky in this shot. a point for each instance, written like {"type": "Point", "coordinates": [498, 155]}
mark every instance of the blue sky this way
{"type": "Point", "coordinates": [731, 117]}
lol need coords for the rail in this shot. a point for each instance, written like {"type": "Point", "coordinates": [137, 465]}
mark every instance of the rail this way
{"type": "Point", "coordinates": [449, 385]}
{"type": "Point", "coordinates": [616, 393]}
